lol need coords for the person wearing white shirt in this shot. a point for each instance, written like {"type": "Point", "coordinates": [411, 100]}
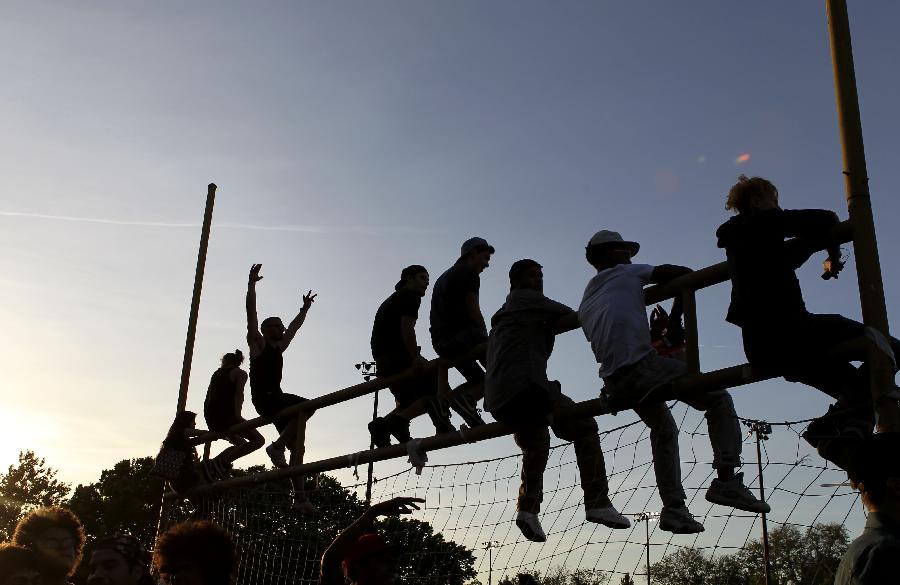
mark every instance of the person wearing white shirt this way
{"type": "Point", "coordinates": [614, 320]}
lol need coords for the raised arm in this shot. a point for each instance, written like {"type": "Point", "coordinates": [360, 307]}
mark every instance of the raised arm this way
{"type": "Point", "coordinates": [308, 299]}
{"type": "Point", "coordinates": [331, 571]}
{"type": "Point", "coordinates": [254, 337]}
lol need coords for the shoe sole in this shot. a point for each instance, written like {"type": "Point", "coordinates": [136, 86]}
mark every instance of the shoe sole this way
{"type": "Point", "coordinates": [754, 508]}
{"type": "Point", "coordinates": [610, 523]}
{"type": "Point", "coordinates": [528, 533]}
{"type": "Point", "coordinates": [680, 528]}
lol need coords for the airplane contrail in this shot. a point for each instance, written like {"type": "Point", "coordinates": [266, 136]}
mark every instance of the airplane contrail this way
{"type": "Point", "coordinates": [169, 224]}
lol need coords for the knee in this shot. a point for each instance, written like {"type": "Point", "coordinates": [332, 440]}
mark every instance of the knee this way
{"type": "Point", "coordinates": [256, 441]}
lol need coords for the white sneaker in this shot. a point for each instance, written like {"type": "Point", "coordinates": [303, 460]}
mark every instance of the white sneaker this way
{"type": "Point", "coordinates": [608, 516]}
{"type": "Point", "coordinates": [679, 521]}
{"type": "Point", "coordinates": [530, 526]}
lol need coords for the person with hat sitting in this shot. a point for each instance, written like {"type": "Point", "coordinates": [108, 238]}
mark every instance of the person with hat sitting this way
{"type": "Point", "coordinates": [872, 558]}
{"type": "Point", "coordinates": [457, 324]}
{"type": "Point", "coordinates": [358, 555]}
{"type": "Point", "coordinates": [396, 350]}
{"type": "Point", "coordinates": [119, 560]}
{"type": "Point", "coordinates": [614, 320]}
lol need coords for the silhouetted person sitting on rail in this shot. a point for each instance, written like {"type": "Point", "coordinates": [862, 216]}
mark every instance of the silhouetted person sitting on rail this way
{"type": "Point", "coordinates": [395, 350]}
{"type": "Point", "coordinates": [222, 410]}
{"type": "Point", "coordinates": [614, 319]}
{"type": "Point", "coordinates": [780, 336]}
{"type": "Point", "coordinates": [360, 556]}
{"type": "Point", "coordinates": [518, 393]}
{"type": "Point", "coordinates": [268, 341]}
{"type": "Point", "coordinates": [873, 558]}
{"type": "Point", "coordinates": [457, 325]}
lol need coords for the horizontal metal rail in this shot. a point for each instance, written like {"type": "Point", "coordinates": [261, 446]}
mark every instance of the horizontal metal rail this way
{"type": "Point", "coordinates": [702, 278]}
{"type": "Point", "coordinates": [731, 377]}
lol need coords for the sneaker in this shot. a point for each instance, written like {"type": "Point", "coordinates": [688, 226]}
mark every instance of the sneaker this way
{"type": "Point", "coordinates": [530, 526]}
{"type": "Point", "coordinates": [439, 415]}
{"type": "Point", "coordinates": [735, 494]}
{"type": "Point", "coordinates": [841, 422]}
{"type": "Point", "coordinates": [679, 521]}
{"type": "Point", "coordinates": [378, 429]}
{"type": "Point", "coordinates": [608, 516]}
{"type": "Point", "coordinates": [463, 404]}
{"type": "Point", "coordinates": [398, 427]}
{"type": "Point", "coordinates": [276, 454]}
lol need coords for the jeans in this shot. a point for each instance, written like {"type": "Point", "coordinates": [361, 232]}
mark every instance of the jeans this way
{"type": "Point", "coordinates": [528, 414]}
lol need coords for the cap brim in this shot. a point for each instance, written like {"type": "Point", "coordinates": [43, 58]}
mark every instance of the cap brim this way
{"type": "Point", "coordinates": [634, 247]}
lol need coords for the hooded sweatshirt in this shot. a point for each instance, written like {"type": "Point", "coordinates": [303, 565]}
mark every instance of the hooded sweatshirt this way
{"type": "Point", "coordinates": [765, 292]}
{"type": "Point", "coordinates": [519, 346]}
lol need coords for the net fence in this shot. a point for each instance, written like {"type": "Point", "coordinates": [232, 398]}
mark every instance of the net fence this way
{"type": "Point", "coordinates": [465, 530]}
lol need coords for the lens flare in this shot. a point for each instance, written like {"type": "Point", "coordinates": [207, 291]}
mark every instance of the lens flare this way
{"type": "Point", "coordinates": [743, 158]}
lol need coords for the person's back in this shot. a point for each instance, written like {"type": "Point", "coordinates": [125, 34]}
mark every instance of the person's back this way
{"type": "Point", "coordinates": [451, 323]}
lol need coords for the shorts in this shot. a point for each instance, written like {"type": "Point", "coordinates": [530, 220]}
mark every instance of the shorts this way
{"type": "Point", "coordinates": [405, 393]}
{"type": "Point", "coordinates": [629, 385]}
{"type": "Point", "coordinates": [271, 404]}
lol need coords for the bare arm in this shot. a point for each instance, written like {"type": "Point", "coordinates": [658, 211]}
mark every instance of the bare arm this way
{"type": "Point", "coordinates": [330, 571]}
{"type": "Point", "coordinates": [473, 310]}
{"type": "Point", "coordinates": [567, 322]}
{"type": "Point", "coordinates": [666, 272]}
{"type": "Point", "coordinates": [239, 378]}
{"type": "Point", "coordinates": [254, 337]}
{"type": "Point", "coordinates": [295, 325]}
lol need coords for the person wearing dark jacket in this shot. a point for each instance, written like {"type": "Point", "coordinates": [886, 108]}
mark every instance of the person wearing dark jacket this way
{"type": "Point", "coordinates": [518, 393]}
{"type": "Point", "coordinates": [781, 337]}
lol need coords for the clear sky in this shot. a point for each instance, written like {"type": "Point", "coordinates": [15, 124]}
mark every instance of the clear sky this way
{"type": "Point", "coordinates": [349, 139]}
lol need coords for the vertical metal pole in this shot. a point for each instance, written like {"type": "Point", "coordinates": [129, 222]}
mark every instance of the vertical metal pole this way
{"type": "Point", "coordinates": [647, 531]}
{"type": "Point", "coordinates": [195, 300]}
{"type": "Point", "coordinates": [859, 205]}
{"type": "Point", "coordinates": [761, 430]}
{"type": "Point", "coordinates": [490, 566]}
{"type": "Point", "coordinates": [371, 464]}
{"type": "Point", "coordinates": [692, 350]}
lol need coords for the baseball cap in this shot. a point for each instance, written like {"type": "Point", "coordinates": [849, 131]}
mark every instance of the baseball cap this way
{"type": "Point", "coordinates": [473, 243]}
{"type": "Point", "coordinates": [611, 237]}
{"type": "Point", "coordinates": [366, 545]}
{"type": "Point", "coordinates": [407, 272]}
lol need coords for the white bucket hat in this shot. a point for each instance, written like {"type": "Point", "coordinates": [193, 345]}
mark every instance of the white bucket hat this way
{"type": "Point", "coordinates": [610, 237]}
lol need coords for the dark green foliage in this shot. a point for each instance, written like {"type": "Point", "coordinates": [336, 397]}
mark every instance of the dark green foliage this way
{"type": "Point", "coordinates": [28, 485]}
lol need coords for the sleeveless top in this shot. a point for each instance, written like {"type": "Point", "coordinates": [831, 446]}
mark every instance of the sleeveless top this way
{"type": "Point", "coordinates": [265, 372]}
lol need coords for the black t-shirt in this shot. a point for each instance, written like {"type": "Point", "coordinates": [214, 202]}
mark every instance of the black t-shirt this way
{"type": "Point", "coordinates": [450, 321]}
{"type": "Point", "coordinates": [388, 347]}
{"type": "Point", "coordinates": [765, 291]}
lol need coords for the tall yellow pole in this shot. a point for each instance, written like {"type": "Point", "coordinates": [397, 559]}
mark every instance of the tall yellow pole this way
{"type": "Point", "coordinates": [195, 301]}
{"type": "Point", "coordinates": [859, 205]}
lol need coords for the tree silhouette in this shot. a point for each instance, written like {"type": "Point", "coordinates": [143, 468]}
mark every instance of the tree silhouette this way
{"type": "Point", "coordinates": [28, 485]}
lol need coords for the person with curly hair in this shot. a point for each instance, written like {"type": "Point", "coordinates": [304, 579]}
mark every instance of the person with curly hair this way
{"type": "Point", "coordinates": [765, 245]}
{"type": "Point", "coordinates": [18, 566]}
{"type": "Point", "coordinates": [57, 538]}
{"type": "Point", "coordinates": [195, 553]}
{"type": "Point", "coordinates": [119, 560]}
